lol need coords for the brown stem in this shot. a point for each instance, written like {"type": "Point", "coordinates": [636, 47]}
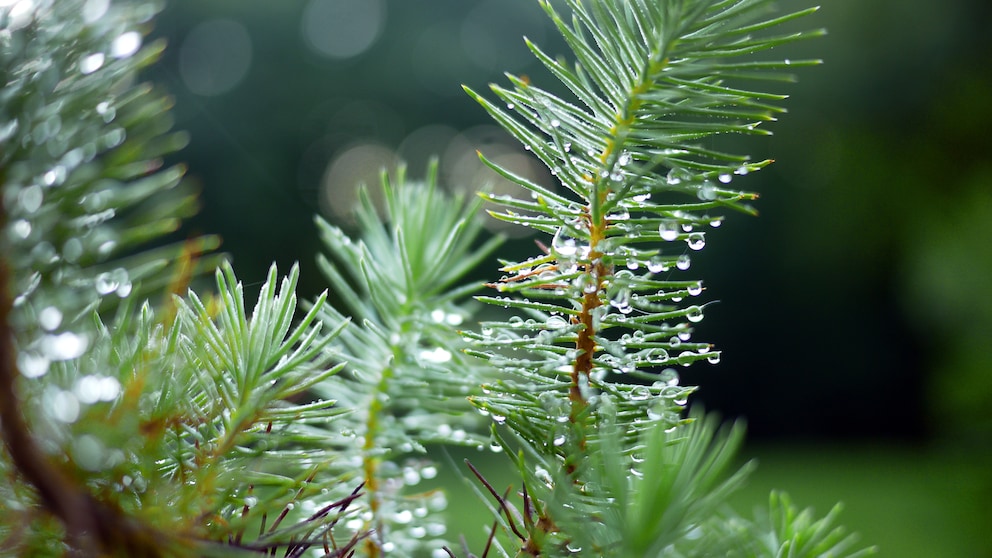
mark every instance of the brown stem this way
{"type": "Point", "coordinates": [92, 527]}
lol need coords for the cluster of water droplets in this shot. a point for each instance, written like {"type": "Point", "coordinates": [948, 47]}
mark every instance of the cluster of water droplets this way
{"type": "Point", "coordinates": [58, 139]}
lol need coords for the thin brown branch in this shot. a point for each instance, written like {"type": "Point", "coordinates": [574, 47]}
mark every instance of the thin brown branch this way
{"type": "Point", "coordinates": [501, 499]}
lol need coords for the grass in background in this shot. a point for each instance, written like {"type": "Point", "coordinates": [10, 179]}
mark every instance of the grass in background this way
{"type": "Point", "coordinates": [909, 502]}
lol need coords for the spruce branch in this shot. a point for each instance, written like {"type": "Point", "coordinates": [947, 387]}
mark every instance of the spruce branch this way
{"type": "Point", "coordinates": [406, 379]}
{"type": "Point", "coordinates": [652, 83]}
{"type": "Point", "coordinates": [91, 526]}
{"type": "Point", "coordinates": [81, 142]}
{"type": "Point", "coordinates": [139, 433]}
{"type": "Point", "coordinates": [589, 390]}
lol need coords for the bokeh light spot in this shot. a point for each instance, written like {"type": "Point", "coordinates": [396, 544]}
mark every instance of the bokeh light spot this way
{"type": "Point", "coordinates": [462, 169]}
{"type": "Point", "coordinates": [95, 9]}
{"type": "Point", "coordinates": [361, 164]}
{"type": "Point", "coordinates": [423, 144]}
{"type": "Point", "coordinates": [126, 44]}
{"type": "Point", "coordinates": [215, 57]}
{"type": "Point", "coordinates": [342, 28]}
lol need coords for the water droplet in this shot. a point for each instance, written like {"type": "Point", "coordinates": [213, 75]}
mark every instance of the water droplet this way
{"type": "Point", "coordinates": [30, 198]}
{"type": "Point", "coordinates": [621, 214]}
{"type": "Point", "coordinates": [633, 264]}
{"type": "Point", "coordinates": [714, 358]}
{"type": "Point", "coordinates": [683, 262]}
{"type": "Point", "coordinates": [54, 176]}
{"type": "Point", "coordinates": [555, 122]}
{"type": "Point", "coordinates": [112, 281]}
{"type": "Point", "coordinates": [640, 393]}
{"type": "Point", "coordinates": [251, 501]}
{"type": "Point", "coordinates": [589, 284]}
{"type": "Point", "coordinates": [125, 44]}
{"type": "Point", "coordinates": [706, 192]}
{"type": "Point", "coordinates": [64, 346]}
{"type": "Point", "coordinates": [114, 137]}
{"type": "Point", "coordinates": [91, 63]}
{"type": "Point", "coordinates": [543, 475]}
{"type": "Point", "coordinates": [622, 301]}
{"type": "Point", "coordinates": [72, 250]}
{"type": "Point", "coordinates": [668, 230]}
{"type": "Point", "coordinates": [21, 228]}
{"type": "Point", "coordinates": [498, 419]}
{"type": "Point", "coordinates": [33, 365]}
{"type": "Point", "coordinates": [715, 223]}
{"type": "Point", "coordinates": [124, 289]}
{"type": "Point", "coordinates": [567, 146]}
{"type": "Point", "coordinates": [64, 406]}
{"type": "Point", "coordinates": [437, 315]}
{"type": "Point", "coordinates": [696, 241]}
{"type": "Point", "coordinates": [657, 409]}
{"type": "Point", "coordinates": [695, 290]}
{"type": "Point", "coordinates": [566, 246]}
{"type": "Point", "coordinates": [725, 178]}
{"type": "Point", "coordinates": [695, 314]}
{"type": "Point", "coordinates": [787, 62]}
{"type": "Point", "coordinates": [669, 377]}
{"type": "Point", "coordinates": [657, 264]}
{"type": "Point", "coordinates": [486, 331]}
{"type": "Point", "coordinates": [89, 452]}
{"type": "Point", "coordinates": [742, 170]}
{"type": "Point", "coordinates": [687, 227]}
{"type": "Point", "coordinates": [428, 472]}
{"type": "Point", "coordinates": [50, 318]}
{"type": "Point", "coordinates": [563, 244]}
{"type": "Point", "coordinates": [559, 440]}
{"type": "Point", "coordinates": [106, 247]}
{"type": "Point", "coordinates": [411, 476]}
{"type": "Point", "coordinates": [556, 322]}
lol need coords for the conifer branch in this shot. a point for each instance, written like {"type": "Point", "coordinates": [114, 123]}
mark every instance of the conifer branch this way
{"type": "Point", "coordinates": [91, 526]}
{"type": "Point", "coordinates": [206, 426]}
{"type": "Point", "coordinates": [633, 151]}
{"type": "Point", "coordinates": [405, 379]}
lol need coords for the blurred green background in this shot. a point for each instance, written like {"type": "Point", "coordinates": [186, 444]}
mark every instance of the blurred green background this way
{"type": "Point", "coordinates": [856, 311]}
